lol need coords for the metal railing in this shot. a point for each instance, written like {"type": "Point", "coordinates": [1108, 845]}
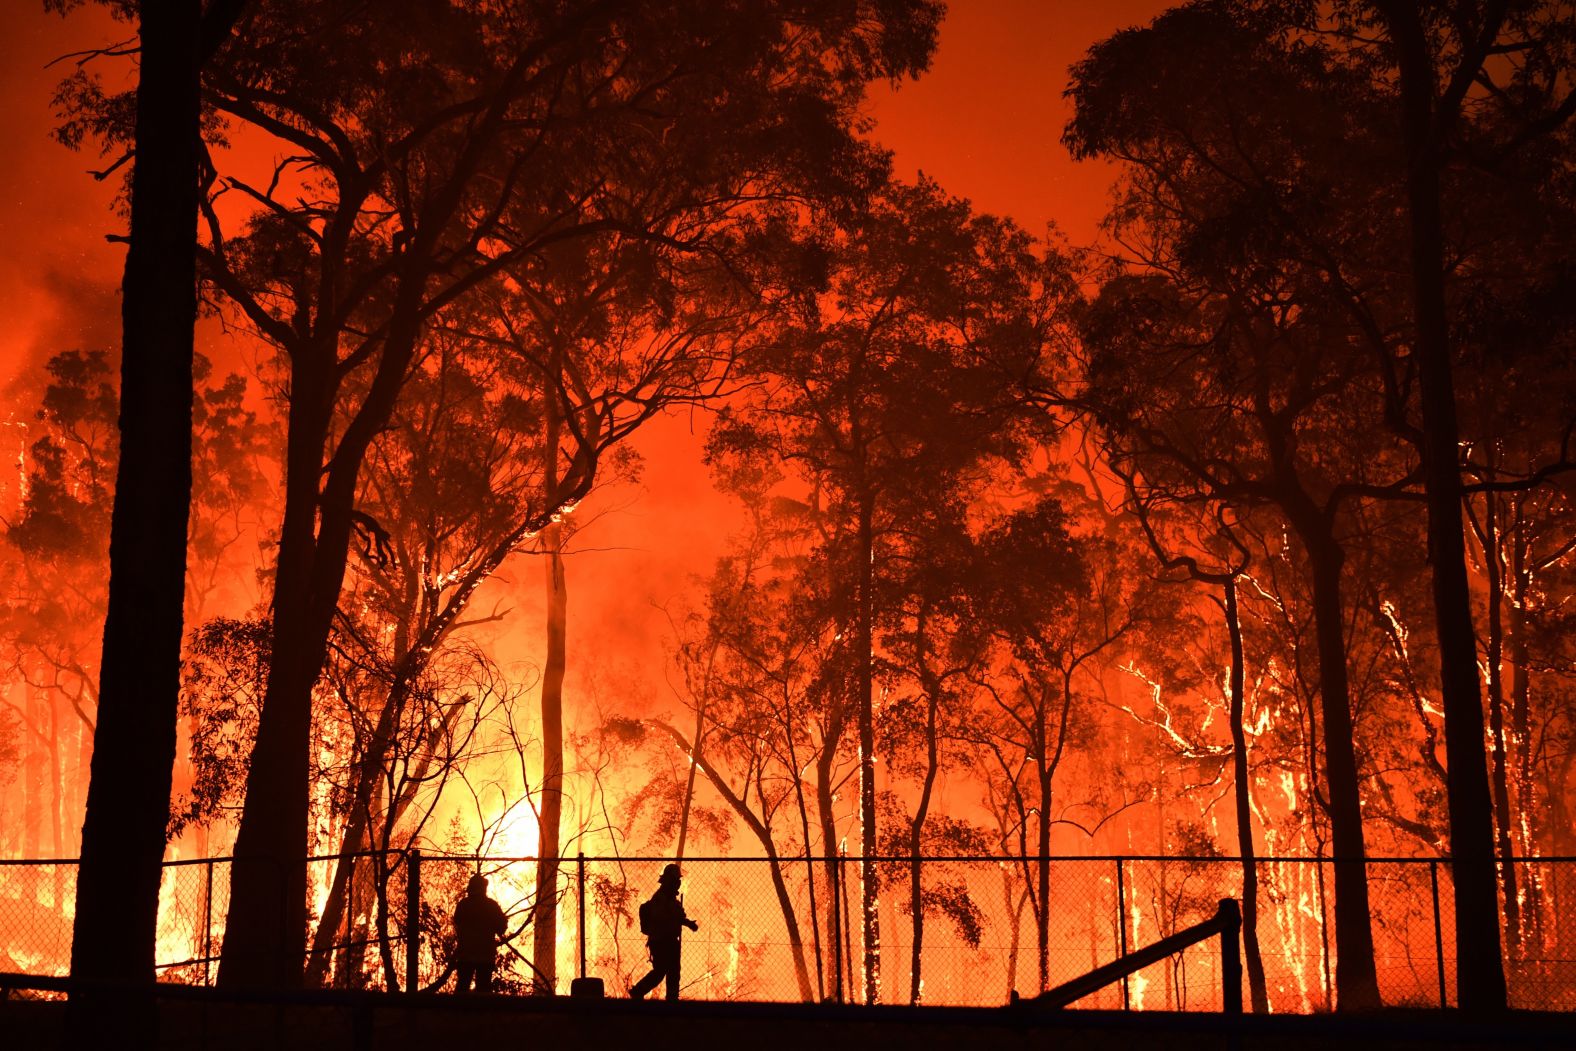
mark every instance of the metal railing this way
{"type": "Point", "coordinates": [1226, 925]}
{"type": "Point", "coordinates": [791, 929]}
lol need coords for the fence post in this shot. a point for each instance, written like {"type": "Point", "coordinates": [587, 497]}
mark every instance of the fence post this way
{"type": "Point", "coordinates": [580, 875]}
{"type": "Point", "coordinates": [1230, 956]}
{"type": "Point", "coordinates": [1121, 926]}
{"type": "Point", "coordinates": [412, 917]}
{"type": "Point", "coordinates": [207, 927]}
{"type": "Point", "coordinates": [1439, 933]}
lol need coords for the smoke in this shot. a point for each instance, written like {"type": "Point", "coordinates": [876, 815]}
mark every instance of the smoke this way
{"type": "Point", "coordinates": [55, 311]}
{"type": "Point", "coordinates": [58, 274]}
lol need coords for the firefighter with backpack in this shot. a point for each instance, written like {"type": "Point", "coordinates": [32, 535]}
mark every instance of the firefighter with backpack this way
{"type": "Point", "coordinates": [661, 918]}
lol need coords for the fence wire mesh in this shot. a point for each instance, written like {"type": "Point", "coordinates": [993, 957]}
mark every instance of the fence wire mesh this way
{"type": "Point", "coordinates": [37, 906]}
{"type": "Point", "coordinates": [793, 929]}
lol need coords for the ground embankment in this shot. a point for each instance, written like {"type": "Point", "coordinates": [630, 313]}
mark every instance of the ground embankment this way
{"type": "Point", "coordinates": [203, 1019]}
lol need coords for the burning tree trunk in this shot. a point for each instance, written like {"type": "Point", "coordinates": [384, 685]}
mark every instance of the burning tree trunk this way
{"type": "Point", "coordinates": [869, 887]}
{"type": "Point", "coordinates": [356, 835]}
{"type": "Point", "coordinates": [1045, 778]}
{"type": "Point", "coordinates": [1226, 577]}
{"type": "Point", "coordinates": [1492, 540]}
{"type": "Point", "coordinates": [1520, 696]}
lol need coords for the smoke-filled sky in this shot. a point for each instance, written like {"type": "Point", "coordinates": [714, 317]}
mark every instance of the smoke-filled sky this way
{"type": "Point", "coordinates": [985, 122]}
{"type": "Point", "coordinates": [57, 273]}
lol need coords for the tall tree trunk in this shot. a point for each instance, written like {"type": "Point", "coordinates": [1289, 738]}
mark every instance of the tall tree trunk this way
{"type": "Point", "coordinates": [689, 781]}
{"type": "Point", "coordinates": [922, 810]}
{"type": "Point", "coordinates": [1480, 975]}
{"type": "Point", "coordinates": [1356, 982]}
{"type": "Point", "coordinates": [1042, 863]}
{"type": "Point", "coordinates": [1015, 937]}
{"type": "Point", "coordinates": [265, 933]}
{"type": "Point", "coordinates": [826, 815]}
{"type": "Point", "coordinates": [266, 928]}
{"type": "Point", "coordinates": [34, 775]}
{"type": "Point", "coordinates": [1491, 537]}
{"type": "Point", "coordinates": [128, 804]}
{"type": "Point", "coordinates": [1528, 813]}
{"type": "Point", "coordinates": [869, 886]}
{"type": "Point", "coordinates": [545, 914]}
{"type": "Point", "coordinates": [359, 821]}
{"type": "Point", "coordinates": [804, 835]}
{"type": "Point", "coordinates": [801, 971]}
{"type": "Point", "coordinates": [1258, 993]}
{"type": "Point", "coordinates": [57, 801]}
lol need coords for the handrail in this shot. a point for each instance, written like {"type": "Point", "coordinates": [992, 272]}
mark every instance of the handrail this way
{"type": "Point", "coordinates": [1227, 923]}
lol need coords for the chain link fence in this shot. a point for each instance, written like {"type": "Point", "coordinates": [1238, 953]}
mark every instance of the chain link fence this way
{"type": "Point", "coordinates": [793, 929]}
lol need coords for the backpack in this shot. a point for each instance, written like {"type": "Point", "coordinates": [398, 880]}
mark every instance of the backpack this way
{"type": "Point", "coordinates": [648, 917]}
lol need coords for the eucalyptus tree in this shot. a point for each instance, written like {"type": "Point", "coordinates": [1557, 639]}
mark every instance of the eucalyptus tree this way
{"type": "Point", "coordinates": [1212, 554]}
{"type": "Point", "coordinates": [442, 495]}
{"type": "Point", "coordinates": [1518, 62]}
{"type": "Point", "coordinates": [935, 644]}
{"type": "Point", "coordinates": [890, 376]}
{"type": "Point", "coordinates": [1236, 360]}
{"type": "Point", "coordinates": [1245, 423]}
{"type": "Point", "coordinates": [1056, 627]}
{"type": "Point", "coordinates": [1306, 140]}
{"type": "Point", "coordinates": [55, 600]}
{"type": "Point", "coordinates": [128, 804]}
{"type": "Point", "coordinates": [762, 667]}
{"type": "Point", "coordinates": [427, 158]}
{"type": "Point", "coordinates": [613, 331]}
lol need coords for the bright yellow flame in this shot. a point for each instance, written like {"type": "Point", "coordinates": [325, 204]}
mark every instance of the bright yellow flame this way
{"type": "Point", "coordinates": [518, 836]}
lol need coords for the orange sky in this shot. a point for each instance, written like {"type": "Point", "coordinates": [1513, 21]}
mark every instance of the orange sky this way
{"type": "Point", "coordinates": [985, 122]}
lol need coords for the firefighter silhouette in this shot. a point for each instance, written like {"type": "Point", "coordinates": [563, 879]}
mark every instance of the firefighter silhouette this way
{"type": "Point", "coordinates": [478, 924]}
{"type": "Point", "coordinates": [661, 917]}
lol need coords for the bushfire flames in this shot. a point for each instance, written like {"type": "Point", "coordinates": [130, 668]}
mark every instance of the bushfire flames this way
{"type": "Point", "coordinates": [623, 438]}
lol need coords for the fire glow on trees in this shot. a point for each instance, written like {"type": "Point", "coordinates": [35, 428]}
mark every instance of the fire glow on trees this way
{"type": "Point", "coordinates": [987, 551]}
